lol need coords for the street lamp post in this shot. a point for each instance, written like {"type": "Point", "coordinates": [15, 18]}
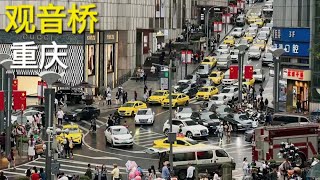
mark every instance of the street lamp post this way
{"type": "Point", "coordinates": [185, 59]}
{"type": "Point", "coordinates": [6, 64]}
{"type": "Point", "coordinates": [242, 49]}
{"type": "Point", "coordinates": [50, 77]}
{"type": "Point", "coordinates": [207, 23]}
{"type": "Point", "coordinates": [277, 53]}
{"type": "Point", "coordinates": [3, 85]}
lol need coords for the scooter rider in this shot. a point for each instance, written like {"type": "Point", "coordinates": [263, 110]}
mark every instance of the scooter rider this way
{"type": "Point", "coordinates": [110, 121]}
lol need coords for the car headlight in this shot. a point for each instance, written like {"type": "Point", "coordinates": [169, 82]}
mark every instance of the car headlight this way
{"type": "Point", "coordinates": [205, 124]}
{"type": "Point", "coordinates": [74, 115]}
{"type": "Point", "coordinates": [150, 119]}
{"type": "Point", "coordinates": [239, 125]}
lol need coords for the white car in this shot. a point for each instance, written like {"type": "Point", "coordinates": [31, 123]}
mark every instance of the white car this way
{"type": "Point", "coordinates": [189, 128]}
{"type": "Point", "coordinates": [183, 112]}
{"type": "Point", "coordinates": [226, 81]}
{"type": "Point", "coordinates": [118, 136]}
{"type": "Point", "coordinates": [253, 31]}
{"type": "Point", "coordinates": [258, 75]}
{"type": "Point", "coordinates": [267, 58]}
{"type": "Point", "coordinates": [262, 35]}
{"type": "Point", "coordinates": [243, 42]}
{"type": "Point", "coordinates": [218, 99]}
{"type": "Point", "coordinates": [234, 55]}
{"type": "Point", "coordinates": [23, 118]}
{"type": "Point", "coordinates": [254, 52]}
{"type": "Point", "coordinates": [144, 116]}
{"type": "Point", "coordinates": [224, 49]}
{"type": "Point", "coordinates": [266, 30]}
{"type": "Point", "coordinates": [237, 32]}
{"type": "Point", "coordinates": [230, 91]}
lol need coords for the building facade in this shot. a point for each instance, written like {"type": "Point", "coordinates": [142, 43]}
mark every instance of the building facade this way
{"type": "Point", "coordinates": [126, 32]}
{"type": "Point", "coordinates": [292, 32]}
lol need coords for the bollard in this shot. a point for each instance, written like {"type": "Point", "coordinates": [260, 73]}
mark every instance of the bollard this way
{"type": "Point", "coordinates": [226, 171]}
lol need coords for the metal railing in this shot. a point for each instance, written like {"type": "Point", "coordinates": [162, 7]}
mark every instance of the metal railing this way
{"type": "Point", "coordinates": [124, 78]}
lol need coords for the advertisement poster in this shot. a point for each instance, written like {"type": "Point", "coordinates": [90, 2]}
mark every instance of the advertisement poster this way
{"type": "Point", "coordinates": [109, 52]}
{"type": "Point", "coordinates": [91, 60]}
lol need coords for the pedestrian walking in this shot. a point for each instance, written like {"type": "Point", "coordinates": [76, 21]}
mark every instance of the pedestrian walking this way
{"type": "Point", "coordinates": [150, 92]}
{"type": "Point", "coordinates": [71, 147]}
{"type": "Point", "coordinates": [66, 148]}
{"type": "Point", "coordinates": [88, 172]}
{"type": "Point", "coordinates": [2, 176]}
{"type": "Point", "coordinates": [228, 131]}
{"type": "Point", "coordinates": [125, 94]}
{"type": "Point", "coordinates": [108, 98]}
{"type": "Point", "coordinates": [42, 174]}
{"type": "Point", "coordinates": [145, 96]}
{"type": "Point", "coordinates": [137, 74]}
{"type": "Point", "coordinates": [142, 75]}
{"type": "Point", "coordinates": [96, 173]}
{"type": "Point", "coordinates": [298, 106]}
{"type": "Point", "coordinates": [115, 172]}
{"type": "Point", "coordinates": [145, 89]}
{"type": "Point", "coordinates": [31, 148]}
{"type": "Point", "coordinates": [135, 95]}
{"type": "Point", "coordinates": [165, 173]}
{"type": "Point", "coordinates": [110, 121]}
{"type": "Point", "coordinates": [218, 38]}
{"type": "Point", "coordinates": [245, 167]}
{"type": "Point", "coordinates": [261, 90]}
{"type": "Point", "coordinates": [60, 115]}
{"type": "Point", "coordinates": [216, 176]}
{"type": "Point", "coordinates": [117, 97]}
{"type": "Point", "coordinates": [93, 125]}
{"type": "Point", "coordinates": [219, 131]}
{"type": "Point", "coordinates": [104, 172]}
{"type": "Point", "coordinates": [11, 159]}
{"type": "Point", "coordinates": [190, 172]}
{"type": "Point", "coordinates": [266, 103]}
{"type": "Point", "coordinates": [144, 78]}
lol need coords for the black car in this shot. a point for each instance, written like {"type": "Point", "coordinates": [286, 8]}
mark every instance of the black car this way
{"type": "Point", "coordinates": [82, 113]}
{"type": "Point", "coordinates": [188, 89]}
{"type": "Point", "coordinates": [206, 118]}
{"type": "Point", "coordinates": [73, 96]}
{"type": "Point", "coordinates": [36, 107]}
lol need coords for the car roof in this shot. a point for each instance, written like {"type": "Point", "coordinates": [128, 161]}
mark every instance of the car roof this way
{"type": "Point", "coordinates": [145, 109]}
{"type": "Point", "coordinates": [117, 127]}
{"type": "Point", "coordinates": [184, 80]}
{"type": "Point", "coordinates": [208, 87]}
{"type": "Point", "coordinates": [161, 91]}
{"type": "Point", "coordinates": [202, 147]}
{"type": "Point", "coordinates": [185, 119]}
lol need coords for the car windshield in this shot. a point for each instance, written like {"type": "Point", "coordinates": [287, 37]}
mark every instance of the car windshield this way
{"type": "Point", "coordinates": [128, 105]}
{"type": "Point", "coordinates": [185, 110]}
{"type": "Point", "coordinates": [204, 89]}
{"type": "Point", "coordinates": [243, 117]}
{"type": "Point", "coordinates": [268, 55]}
{"type": "Point", "coordinates": [182, 87]}
{"type": "Point", "coordinates": [190, 76]}
{"type": "Point", "coordinates": [158, 93]}
{"type": "Point", "coordinates": [181, 83]}
{"type": "Point", "coordinates": [206, 60]}
{"type": "Point", "coordinates": [215, 98]}
{"type": "Point", "coordinates": [254, 49]}
{"type": "Point", "coordinates": [206, 116]}
{"type": "Point", "coordinates": [190, 123]}
{"type": "Point", "coordinates": [143, 112]}
{"type": "Point", "coordinates": [225, 91]}
{"type": "Point", "coordinates": [120, 131]}
{"type": "Point", "coordinates": [252, 30]}
{"type": "Point", "coordinates": [213, 75]}
{"type": "Point", "coordinates": [72, 130]}
{"type": "Point", "coordinates": [223, 47]}
{"type": "Point", "coordinates": [201, 67]}
{"type": "Point", "coordinates": [173, 97]}
{"type": "Point", "coordinates": [191, 141]}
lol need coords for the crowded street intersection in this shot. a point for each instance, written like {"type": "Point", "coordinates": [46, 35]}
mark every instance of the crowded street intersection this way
{"type": "Point", "coordinates": [213, 102]}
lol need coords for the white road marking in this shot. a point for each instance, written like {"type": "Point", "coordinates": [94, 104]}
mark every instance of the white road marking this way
{"type": "Point", "coordinates": [86, 122]}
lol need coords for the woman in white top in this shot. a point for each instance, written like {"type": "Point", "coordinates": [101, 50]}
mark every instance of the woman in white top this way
{"type": "Point", "coordinates": [31, 148]}
{"type": "Point", "coordinates": [245, 166]}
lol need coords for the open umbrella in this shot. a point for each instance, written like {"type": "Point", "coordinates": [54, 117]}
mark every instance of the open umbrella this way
{"type": "Point", "coordinates": [84, 84]}
{"type": "Point", "coordinates": [60, 84]}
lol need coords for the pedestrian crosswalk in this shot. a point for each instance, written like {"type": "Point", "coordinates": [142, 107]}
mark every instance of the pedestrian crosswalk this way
{"type": "Point", "coordinates": [145, 138]}
{"type": "Point", "coordinates": [68, 166]}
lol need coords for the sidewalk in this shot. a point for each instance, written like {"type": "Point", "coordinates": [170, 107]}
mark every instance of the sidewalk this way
{"type": "Point", "coordinates": [19, 160]}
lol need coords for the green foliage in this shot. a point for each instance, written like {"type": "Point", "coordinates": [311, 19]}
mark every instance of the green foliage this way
{"type": "Point", "coordinates": [315, 50]}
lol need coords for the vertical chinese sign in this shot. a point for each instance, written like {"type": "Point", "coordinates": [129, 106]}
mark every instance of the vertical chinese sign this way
{"type": "Point", "coordinates": [1, 101]}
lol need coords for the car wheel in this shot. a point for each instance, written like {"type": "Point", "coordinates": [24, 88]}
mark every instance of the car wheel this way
{"type": "Point", "coordinates": [189, 134]}
{"type": "Point", "coordinates": [78, 118]}
{"type": "Point", "coordinates": [182, 174]}
{"type": "Point", "coordinates": [187, 103]}
{"type": "Point", "coordinates": [166, 132]}
{"type": "Point", "coordinates": [235, 128]}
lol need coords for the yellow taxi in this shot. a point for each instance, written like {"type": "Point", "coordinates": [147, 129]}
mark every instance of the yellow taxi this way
{"type": "Point", "coordinates": [248, 37]}
{"type": "Point", "coordinates": [178, 99]}
{"type": "Point", "coordinates": [229, 40]}
{"type": "Point", "coordinates": [252, 18]}
{"type": "Point", "coordinates": [70, 131]}
{"type": "Point", "coordinates": [158, 96]}
{"type": "Point", "coordinates": [260, 43]}
{"type": "Point", "coordinates": [249, 82]}
{"type": "Point", "coordinates": [211, 61]}
{"type": "Point", "coordinates": [216, 77]}
{"type": "Point", "coordinates": [130, 108]}
{"type": "Point", "coordinates": [206, 92]}
{"type": "Point", "coordinates": [259, 22]}
{"type": "Point", "coordinates": [179, 142]}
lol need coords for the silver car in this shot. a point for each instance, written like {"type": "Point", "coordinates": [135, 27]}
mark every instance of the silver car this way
{"type": "Point", "coordinates": [243, 42]}
{"type": "Point", "coordinates": [263, 36]}
{"type": "Point", "coordinates": [254, 52]}
{"type": "Point", "coordinates": [237, 32]}
{"type": "Point", "coordinates": [267, 59]}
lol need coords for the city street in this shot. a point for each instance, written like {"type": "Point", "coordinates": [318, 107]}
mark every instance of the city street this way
{"type": "Point", "coordinates": [96, 151]}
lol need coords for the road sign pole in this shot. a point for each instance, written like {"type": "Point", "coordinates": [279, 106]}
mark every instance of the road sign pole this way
{"type": "Point", "coordinates": [49, 102]}
{"type": "Point", "coordinates": [170, 112]}
{"type": "Point", "coordinates": [8, 110]}
{"type": "Point", "coordinates": [3, 86]}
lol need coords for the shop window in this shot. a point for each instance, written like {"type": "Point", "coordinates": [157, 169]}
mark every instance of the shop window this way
{"type": "Point", "coordinates": [205, 155]}
{"type": "Point", "coordinates": [221, 153]}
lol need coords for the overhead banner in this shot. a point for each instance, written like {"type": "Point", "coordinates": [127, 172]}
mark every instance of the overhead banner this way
{"type": "Point", "coordinates": [186, 56]}
{"type": "Point", "coordinates": [248, 72]}
{"type": "Point", "coordinates": [19, 100]}
{"type": "Point", "coordinates": [15, 84]}
{"type": "Point", "coordinates": [234, 72]}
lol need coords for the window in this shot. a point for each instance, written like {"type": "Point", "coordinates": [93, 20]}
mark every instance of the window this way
{"type": "Point", "coordinates": [304, 120]}
{"type": "Point", "coordinates": [286, 119]}
{"type": "Point", "coordinates": [166, 141]}
{"type": "Point", "coordinates": [177, 123]}
{"type": "Point", "coordinates": [221, 153]}
{"type": "Point", "coordinates": [205, 155]}
{"type": "Point", "coordinates": [184, 156]}
{"type": "Point", "coordinates": [179, 142]}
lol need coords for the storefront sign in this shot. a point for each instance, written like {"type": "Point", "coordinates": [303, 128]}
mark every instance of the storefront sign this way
{"type": "Point", "coordinates": [110, 37]}
{"type": "Point", "coordinates": [297, 74]}
{"type": "Point", "coordinates": [295, 49]}
{"type": "Point", "coordinates": [91, 38]}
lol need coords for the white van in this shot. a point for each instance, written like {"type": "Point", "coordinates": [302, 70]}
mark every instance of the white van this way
{"type": "Point", "coordinates": [226, 81]}
{"type": "Point", "coordinates": [206, 158]}
{"type": "Point", "coordinates": [204, 70]}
